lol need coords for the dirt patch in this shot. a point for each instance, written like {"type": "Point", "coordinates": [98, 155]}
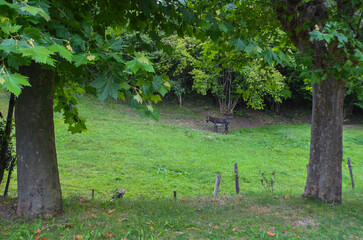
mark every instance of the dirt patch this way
{"type": "Point", "coordinates": [194, 117]}
{"type": "Point", "coordinates": [305, 222]}
{"type": "Point", "coordinates": [7, 208]}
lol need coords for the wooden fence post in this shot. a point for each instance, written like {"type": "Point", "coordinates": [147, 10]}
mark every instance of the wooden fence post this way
{"type": "Point", "coordinates": [93, 193]}
{"type": "Point", "coordinates": [218, 182]}
{"type": "Point", "coordinates": [174, 194]}
{"type": "Point", "coordinates": [351, 172]}
{"type": "Point", "coordinates": [236, 177]}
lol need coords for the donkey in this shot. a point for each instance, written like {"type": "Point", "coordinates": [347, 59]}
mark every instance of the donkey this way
{"type": "Point", "coordinates": [218, 122]}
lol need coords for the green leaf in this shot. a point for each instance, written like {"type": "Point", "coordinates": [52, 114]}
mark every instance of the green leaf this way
{"type": "Point", "coordinates": [35, 10]}
{"type": "Point", "coordinates": [270, 56]}
{"type": "Point", "coordinates": [238, 44]}
{"type": "Point", "coordinates": [64, 52]}
{"type": "Point", "coordinates": [253, 49]}
{"type": "Point", "coordinates": [188, 16]}
{"type": "Point", "coordinates": [16, 60]}
{"type": "Point", "coordinates": [10, 45]}
{"type": "Point", "coordinates": [132, 65]}
{"type": "Point", "coordinates": [14, 82]}
{"type": "Point", "coordinates": [223, 27]}
{"type": "Point", "coordinates": [117, 58]}
{"type": "Point", "coordinates": [3, 2]}
{"type": "Point", "coordinates": [39, 54]}
{"type": "Point", "coordinates": [148, 111]}
{"type": "Point", "coordinates": [121, 96]}
{"type": "Point", "coordinates": [33, 33]}
{"type": "Point", "coordinates": [15, 28]}
{"type": "Point", "coordinates": [141, 62]}
{"type": "Point", "coordinates": [157, 82]}
{"type": "Point", "coordinates": [163, 90]}
{"type": "Point", "coordinates": [155, 98]}
{"type": "Point", "coordinates": [80, 59]}
{"type": "Point", "coordinates": [116, 45]}
{"type": "Point", "coordinates": [138, 98]}
{"type": "Point", "coordinates": [125, 86]}
{"type": "Point", "coordinates": [105, 86]}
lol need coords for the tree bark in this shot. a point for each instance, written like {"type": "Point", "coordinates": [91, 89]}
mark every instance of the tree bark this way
{"type": "Point", "coordinates": [324, 178]}
{"type": "Point", "coordinates": [39, 191]}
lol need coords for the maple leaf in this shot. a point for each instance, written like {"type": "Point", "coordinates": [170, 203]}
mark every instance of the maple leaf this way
{"type": "Point", "coordinates": [234, 228]}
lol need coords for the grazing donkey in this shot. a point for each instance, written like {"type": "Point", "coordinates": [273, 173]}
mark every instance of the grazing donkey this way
{"type": "Point", "coordinates": [218, 122]}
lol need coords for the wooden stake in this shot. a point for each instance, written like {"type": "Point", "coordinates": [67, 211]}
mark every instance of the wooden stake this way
{"type": "Point", "coordinates": [351, 172]}
{"type": "Point", "coordinates": [236, 177]}
{"type": "Point", "coordinates": [218, 182]}
{"type": "Point", "coordinates": [174, 194]}
{"type": "Point", "coordinates": [93, 193]}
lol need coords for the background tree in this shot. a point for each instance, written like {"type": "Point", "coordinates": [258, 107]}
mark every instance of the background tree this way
{"type": "Point", "coordinates": [178, 65]}
{"type": "Point", "coordinates": [231, 75]}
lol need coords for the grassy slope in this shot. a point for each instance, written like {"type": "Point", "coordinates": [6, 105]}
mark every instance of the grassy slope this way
{"type": "Point", "coordinates": [151, 159]}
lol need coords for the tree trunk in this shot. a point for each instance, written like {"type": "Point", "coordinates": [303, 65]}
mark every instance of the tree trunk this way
{"type": "Point", "coordinates": [39, 190]}
{"type": "Point", "coordinates": [324, 179]}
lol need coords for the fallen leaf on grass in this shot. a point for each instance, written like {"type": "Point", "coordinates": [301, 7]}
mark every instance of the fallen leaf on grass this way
{"type": "Point", "coordinates": [122, 220]}
{"type": "Point", "coordinates": [150, 222]}
{"type": "Point", "coordinates": [188, 228]}
{"type": "Point", "coordinates": [109, 234]}
{"type": "Point", "coordinates": [152, 228]}
{"type": "Point", "coordinates": [8, 227]}
{"type": "Point", "coordinates": [356, 237]}
{"type": "Point", "coordinates": [218, 204]}
{"type": "Point", "coordinates": [91, 215]}
{"type": "Point", "coordinates": [271, 234]}
{"type": "Point", "coordinates": [37, 234]}
{"type": "Point", "coordinates": [286, 196]}
{"type": "Point", "coordinates": [216, 227]}
{"type": "Point", "coordinates": [5, 233]}
{"type": "Point", "coordinates": [111, 211]}
{"type": "Point", "coordinates": [234, 229]}
{"type": "Point", "coordinates": [79, 237]}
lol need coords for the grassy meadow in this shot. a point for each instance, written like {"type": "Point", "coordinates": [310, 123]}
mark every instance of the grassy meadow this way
{"type": "Point", "coordinates": [152, 159]}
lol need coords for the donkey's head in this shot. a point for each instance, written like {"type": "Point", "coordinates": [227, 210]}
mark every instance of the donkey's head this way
{"type": "Point", "coordinates": [207, 119]}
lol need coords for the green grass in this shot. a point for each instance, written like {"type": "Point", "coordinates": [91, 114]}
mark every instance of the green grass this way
{"type": "Point", "coordinates": [152, 159]}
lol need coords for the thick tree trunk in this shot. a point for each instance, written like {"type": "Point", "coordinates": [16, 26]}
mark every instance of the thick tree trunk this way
{"type": "Point", "coordinates": [324, 179]}
{"type": "Point", "coordinates": [39, 190]}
